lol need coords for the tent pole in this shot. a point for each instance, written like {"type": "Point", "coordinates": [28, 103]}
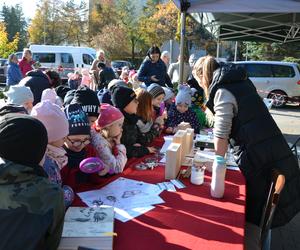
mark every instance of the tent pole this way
{"type": "Point", "coordinates": [171, 51]}
{"type": "Point", "coordinates": [235, 50]}
{"type": "Point", "coordinates": [182, 35]}
{"type": "Point", "coordinates": [218, 49]}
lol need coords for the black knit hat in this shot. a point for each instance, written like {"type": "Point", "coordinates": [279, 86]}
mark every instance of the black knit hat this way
{"type": "Point", "coordinates": [122, 96]}
{"type": "Point", "coordinates": [62, 90]}
{"type": "Point", "coordinates": [88, 100]}
{"type": "Point", "coordinates": [78, 120]}
{"type": "Point", "coordinates": [155, 90]}
{"type": "Point", "coordinates": [23, 139]}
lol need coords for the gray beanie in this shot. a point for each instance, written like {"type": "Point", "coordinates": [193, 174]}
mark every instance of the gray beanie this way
{"type": "Point", "coordinates": [184, 95]}
{"type": "Point", "coordinates": [155, 90]}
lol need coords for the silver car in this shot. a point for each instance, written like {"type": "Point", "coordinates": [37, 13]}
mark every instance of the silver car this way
{"type": "Point", "coordinates": [279, 81]}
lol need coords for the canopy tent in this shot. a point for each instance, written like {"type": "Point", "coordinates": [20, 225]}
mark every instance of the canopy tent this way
{"type": "Point", "coordinates": [255, 20]}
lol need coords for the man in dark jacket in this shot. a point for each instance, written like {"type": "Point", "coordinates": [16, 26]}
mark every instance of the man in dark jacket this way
{"type": "Point", "coordinates": [38, 81]}
{"type": "Point", "coordinates": [153, 69]}
{"type": "Point", "coordinates": [31, 207]}
{"type": "Point", "coordinates": [105, 76]}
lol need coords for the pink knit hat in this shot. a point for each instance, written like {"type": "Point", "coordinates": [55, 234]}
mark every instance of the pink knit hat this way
{"type": "Point", "coordinates": [53, 119]}
{"type": "Point", "coordinates": [108, 115]}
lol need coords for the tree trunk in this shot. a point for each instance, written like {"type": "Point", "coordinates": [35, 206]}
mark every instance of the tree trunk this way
{"type": "Point", "coordinates": [132, 49]}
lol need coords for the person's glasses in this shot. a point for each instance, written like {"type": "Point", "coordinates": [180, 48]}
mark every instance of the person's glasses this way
{"type": "Point", "coordinates": [78, 143]}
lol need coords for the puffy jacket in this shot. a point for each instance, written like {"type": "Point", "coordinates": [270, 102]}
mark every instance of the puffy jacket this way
{"type": "Point", "coordinates": [31, 208]}
{"type": "Point", "coordinates": [14, 74]}
{"type": "Point", "coordinates": [37, 81]}
{"type": "Point", "coordinates": [259, 147]}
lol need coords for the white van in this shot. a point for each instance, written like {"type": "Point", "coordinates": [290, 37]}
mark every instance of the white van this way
{"type": "Point", "coordinates": [279, 81]}
{"type": "Point", "coordinates": [64, 59]}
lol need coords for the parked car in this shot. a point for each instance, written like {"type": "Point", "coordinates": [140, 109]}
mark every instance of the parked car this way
{"type": "Point", "coordinates": [65, 59]}
{"type": "Point", "coordinates": [279, 81]}
{"type": "Point", "coordinates": [119, 64]}
{"type": "Point", "coordinates": [3, 70]}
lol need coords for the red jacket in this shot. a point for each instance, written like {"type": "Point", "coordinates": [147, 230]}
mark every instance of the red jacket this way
{"type": "Point", "coordinates": [25, 66]}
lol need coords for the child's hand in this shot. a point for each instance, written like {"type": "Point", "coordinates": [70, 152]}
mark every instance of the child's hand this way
{"type": "Point", "coordinates": [117, 139]}
{"type": "Point", "coordinates": [152, 150]}
{"type": "Point", "coordinates": [160, 120]}
{"type": "Point", "coordinates": [137, 145]}
{"type": "Point", "coordinates": [169, 130]}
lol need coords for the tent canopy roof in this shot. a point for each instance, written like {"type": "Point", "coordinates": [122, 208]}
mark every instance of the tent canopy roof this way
{"type": "Point", "coordinates": [255, 20]}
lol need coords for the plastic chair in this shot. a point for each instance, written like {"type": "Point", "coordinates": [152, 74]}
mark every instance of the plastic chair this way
{"type": "Point", "coordinates": [277, 184]}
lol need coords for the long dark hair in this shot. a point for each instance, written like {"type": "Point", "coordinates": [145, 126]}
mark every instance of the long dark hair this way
{"type": "Point", "coordinates": [153, 50]}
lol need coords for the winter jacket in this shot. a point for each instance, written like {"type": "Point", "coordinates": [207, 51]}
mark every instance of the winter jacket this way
{"type": "Point", "coordinates": [131, 135]}
{"type": "Point", "coordinates": [114, 159]}
{"type": "Point", "coordinates": [31, 208]}
{"type": "Point", "coordinates": [71, 174]}
{"type": "Point", "coordinates": [14, 74]}
{"type": "Point", "coordinates": [25, 66]}
{"type": "Point", "coordinates": [37, 81]}
{"type": "Point", "coordinates": [173, 72]}
{"type": "Point", "coordinates": [148, 69]}
{"type": "Point", "coordinates": [175, 118]}
{"type": "Point", "coordinates": [105, 76]}
{"type": "Point", "coordinates": [259, 147]}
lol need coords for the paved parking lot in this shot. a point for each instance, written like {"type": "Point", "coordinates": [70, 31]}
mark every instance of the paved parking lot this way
{"type": "Point", "coordinates": [288, 120]}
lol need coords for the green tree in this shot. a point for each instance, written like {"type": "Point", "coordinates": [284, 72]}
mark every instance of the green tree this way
{"type": "Point", "coordinates": [129, 19]}
{"type": "Point", "coordinates": [7, 47]}
{"type": "Point", "coordinates": [56, 22]}
{"type": "Point", "coordinates": [74, 23]}
{"type": "Point", "coordinates": [46, 25]}
{"type": "Point", "coordinates": [14, 21]}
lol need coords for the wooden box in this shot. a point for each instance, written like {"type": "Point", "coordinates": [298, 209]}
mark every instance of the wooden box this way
{"type": "Point", "coordinates": [173, 161]}
{"type": "Point", "coordinates": [180, 137]}
{"type": "Point", "coordinates": [189, 140]}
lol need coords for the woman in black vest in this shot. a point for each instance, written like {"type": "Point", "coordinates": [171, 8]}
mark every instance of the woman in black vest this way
{"type": "Point", "coordinates": [242, 119]}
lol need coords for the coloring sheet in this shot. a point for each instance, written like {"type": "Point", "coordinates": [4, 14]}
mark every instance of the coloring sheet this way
{"type": "Point", "coordinates": [88, 221]}
{"type": "Point", "coordinates": [123, 193]}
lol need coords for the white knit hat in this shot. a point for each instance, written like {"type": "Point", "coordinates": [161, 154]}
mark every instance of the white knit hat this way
{"type": "Point", "coordinates": [169, 93]}
{"type": "Point", "coordinates": [18, 95]}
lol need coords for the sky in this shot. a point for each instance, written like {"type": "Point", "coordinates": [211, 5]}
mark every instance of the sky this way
{"type": "Point", "coordinates": [28, 6]}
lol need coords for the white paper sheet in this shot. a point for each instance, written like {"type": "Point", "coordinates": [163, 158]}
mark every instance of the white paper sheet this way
{"type": "Point", "coordinates": [123, 193]}
{"type": "Point", "coordinates": [125, 215]}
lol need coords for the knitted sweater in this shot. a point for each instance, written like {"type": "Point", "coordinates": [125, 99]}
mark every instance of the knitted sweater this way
{"type": "Point", "coordinates": [175, 118]}
{"type": "Point", "coordinates": [112, 162]}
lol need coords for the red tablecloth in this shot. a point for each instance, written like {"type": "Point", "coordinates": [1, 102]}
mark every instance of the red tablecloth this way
{"type": "Point", "coordinates": [189, 218]}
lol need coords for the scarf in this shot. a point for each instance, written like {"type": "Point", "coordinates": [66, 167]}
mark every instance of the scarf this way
{"type": "Point", "coordinates": [58, 155]}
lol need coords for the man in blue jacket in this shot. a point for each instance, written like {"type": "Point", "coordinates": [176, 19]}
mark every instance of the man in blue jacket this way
{"type": "Point", "coordinates": [14, 74]}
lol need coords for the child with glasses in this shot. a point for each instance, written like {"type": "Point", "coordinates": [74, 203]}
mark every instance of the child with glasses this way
{"type": "Point", "coordinates": [106, 138]}
{"type": "Point", "coordinates": [78, 147]}
{"type": "Point", "coordinates": [57, 127]}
